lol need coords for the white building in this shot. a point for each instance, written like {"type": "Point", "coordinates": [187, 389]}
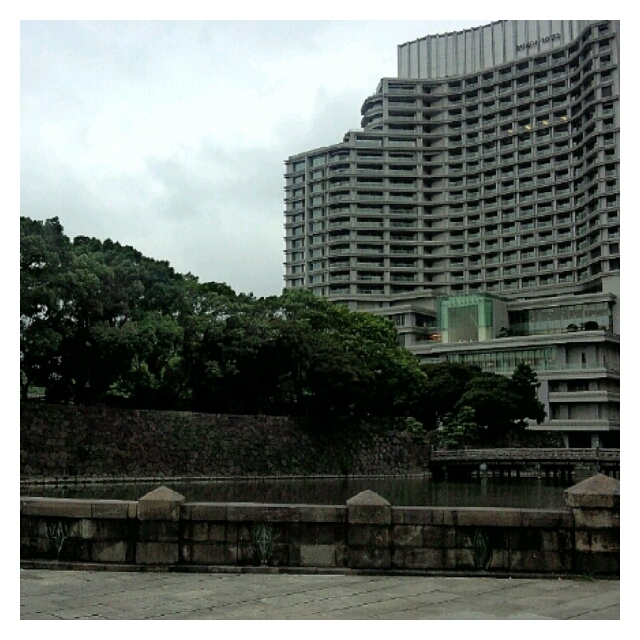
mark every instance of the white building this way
{"type": "Point", "coordinates": [481, 199]}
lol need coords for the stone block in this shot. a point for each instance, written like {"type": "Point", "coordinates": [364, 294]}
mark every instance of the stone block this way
{"type": "Point", "coordinates": [368, 508]}
{"type": "Point", "coordinates": [42, 546]}
{"type": "Point", "coordinates": [553, 562]}
{"type": "Point", "coordinates": [368, 535]}
{"type": "Point", "coordinates": [397, 557]}
{"type": "Point", "coordinates": [249, 512]}
{"type": "Point", "coordinates": [596, 518]}
{"type": "Point", "coordinates": [341, 554]}
{"type": "Point", "coordinates": [488, 517]}
{"type": "Point", "coordinates": [217, 532]}
{"type": "Point", "coordinates": [317, 533]}
{"type": "Point", "coordinates": [464, 537]}
{"type": "Point", "coordinates": [408, 535]}
{"type": "Point", "coordinates": [433, 559]}
{"type": "Point", "coordinates": [30, 527]}
{"type": "Point", "coordinates": [363, 558]}
{"type": "Point", "coordinates": [197, 531]}
{"type": "Point", "coordinates": [532, 561]}
{"type": "Point", "coordinates": [85, 528]}
{"type": "Point", "coordinates": [157, 553]}
{"type": "Point", "coordinates": [514, 539]}
{"type": "Point", "coordinates": [76, 550]}
{"type": "Point", "coordinates": [209, 511]}
{"type": "Point", "coordinates": [158, 531]}
{"type": "Point", "coordinates": [56, 507]}
{"type": "Point", "coordinates": [548, 518]}
{"type": "Point", "coordinates": [607, 541]}
{"type": "Point", "coordinates": [417, 515]}
{"type": "Point", "coordinates": [115, 529]}
{"type": "Point", "coordinates": [247, 554]}
{"type": "Point", "coordinates": [211, 554]}
{"type": "Point", "coordinates": [450, 517]}
{"type": "Point", "coordinates": [279, 556]}
{"type": "Point", "coordinates": [439, 537]}
{"type": "Point", "coordinates": [582, 540]}
{"type": "Point", "coordinates": [319, 513]}
{"type": "Point", "coordinates": [25, 549]}
{"type": "Point", "coordinates": [550, 540]}
{"type": "Point", "coordinates": [597, 563]}
{"type": "Point", "coordinates": [464, 558]}
{"type": "Point", "coordinates": [530, 539]}
{"type": "Point", "coordinates": [160, 504]}
{"type": "Point", "coordinates": [449, 559]}
{"type": "Point", "coordinates": [109, 551]}
{"type": "Point", "coordinates": [499, 559]}
{"type": "Point", "coordinates": [515, 560]}
{"type": "Point", "coordinates": [117, 509]}
{"type": "Point", "coordinates": [294, 554]}
{"type": "Point", "coordinates": [317, 555]}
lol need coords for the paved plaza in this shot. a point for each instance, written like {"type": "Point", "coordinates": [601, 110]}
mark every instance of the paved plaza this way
{"type": "Point", "coordinates": [110, 595]}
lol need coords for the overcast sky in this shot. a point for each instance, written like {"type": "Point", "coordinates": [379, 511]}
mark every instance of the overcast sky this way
{"type": "Point", "coordinates": [172, 136]}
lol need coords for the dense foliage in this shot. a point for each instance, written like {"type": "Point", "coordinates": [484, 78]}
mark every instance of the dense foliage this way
{"type": "Point", "coordinates": [100, 322]}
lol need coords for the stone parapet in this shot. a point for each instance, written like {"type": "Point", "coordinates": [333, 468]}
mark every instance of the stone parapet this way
{"type": "Point", "coordinates": [162, 530]}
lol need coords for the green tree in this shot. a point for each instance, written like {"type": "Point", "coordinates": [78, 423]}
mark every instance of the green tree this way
{"type": "Point", "coordinates": [458, 429]}
{"type": "Point", "coordinates": [524, 385]}
{"type": "Point", "coordinates": [494, 404]}
{"type": "Point", "coordinates": [446, 382]}
{"type": "Point", "coordinates": [97, 318]}
{"type": "Point", "coordinates": [45, 256]}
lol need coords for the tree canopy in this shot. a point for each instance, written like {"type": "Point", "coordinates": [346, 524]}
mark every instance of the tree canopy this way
{"type": "Point", "coordinates": [102, 323]}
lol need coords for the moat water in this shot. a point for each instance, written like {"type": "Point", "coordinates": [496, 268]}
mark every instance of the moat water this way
{"type": "Point", "coordinates": [401, 491]}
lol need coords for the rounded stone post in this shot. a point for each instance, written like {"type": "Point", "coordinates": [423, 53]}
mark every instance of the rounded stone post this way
{"type": "Point", "coordinates": [596, 512]}
{"type": "Point", "coordinates": [158, 527]}
{"type": "Point", "coordinates": [368, 531]}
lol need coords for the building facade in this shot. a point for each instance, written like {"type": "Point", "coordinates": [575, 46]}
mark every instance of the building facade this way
{"type": "Point", "coordinates": [479, 207]}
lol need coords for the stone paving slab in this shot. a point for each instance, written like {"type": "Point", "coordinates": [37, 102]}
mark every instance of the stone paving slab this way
{"type": "Point", "coordinates": [93, 595]}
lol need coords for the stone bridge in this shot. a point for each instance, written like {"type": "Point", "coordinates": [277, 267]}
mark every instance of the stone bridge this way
{"type": "Point", "coordinates": [548, 462]}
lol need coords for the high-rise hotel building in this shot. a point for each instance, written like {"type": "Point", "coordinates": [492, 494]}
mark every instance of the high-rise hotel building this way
{"type": "Point", "coordinates": [479, 208]}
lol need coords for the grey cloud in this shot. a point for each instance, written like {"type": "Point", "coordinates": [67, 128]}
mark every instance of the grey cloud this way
{"type": "Point", "coordinates": [211, 209]}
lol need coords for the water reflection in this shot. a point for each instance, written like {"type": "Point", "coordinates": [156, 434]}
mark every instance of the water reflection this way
{"type": "Point", "coordinates": [401, 491]}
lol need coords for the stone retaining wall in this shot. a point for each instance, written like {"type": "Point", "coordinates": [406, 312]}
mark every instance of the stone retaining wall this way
{"type": "Point", "coordinates": [62, 441]}
{"type": "Point", "coordinates": [162, 531]}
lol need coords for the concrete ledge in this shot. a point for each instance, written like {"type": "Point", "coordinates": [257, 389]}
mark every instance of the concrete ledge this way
{"type": "Point", "coordinates": [256, 512]}
{"type": "Point", "coordinates": [320, 513]}
{"type": "Point", "coordinates": [548, 518]}
{"type": "Point", "coordinates": [56, 507]}
{"type": "Point", "coordinates": [417, 515]}
{"type": "Point", "coordinates": [115, 509]}
{"type": "Point", "coordinates": [488, 517]}
{"type": "Point", "coordinates": [204, 511]}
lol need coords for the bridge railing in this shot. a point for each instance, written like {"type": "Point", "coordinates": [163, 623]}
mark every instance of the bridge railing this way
{"type": "Point", "coordinates": [506, 454]}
